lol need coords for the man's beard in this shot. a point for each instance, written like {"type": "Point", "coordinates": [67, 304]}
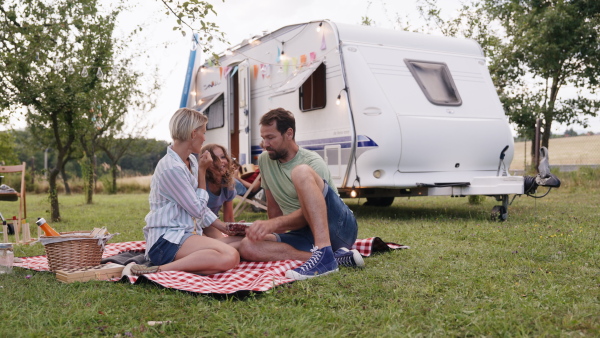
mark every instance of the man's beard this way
{"type": "Point", "coordinates": [277, 154]}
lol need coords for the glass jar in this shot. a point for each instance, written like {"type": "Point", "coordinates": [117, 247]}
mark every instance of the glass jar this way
{"type": "Point", "coordinates": [7, 258]}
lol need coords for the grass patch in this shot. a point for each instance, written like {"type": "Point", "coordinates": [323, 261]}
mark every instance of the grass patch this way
{"type": "Point", "coordinates": [538, 274]}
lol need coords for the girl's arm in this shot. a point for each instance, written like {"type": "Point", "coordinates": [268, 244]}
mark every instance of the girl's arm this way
{"type": "Point", "coordinates": [228, 211]}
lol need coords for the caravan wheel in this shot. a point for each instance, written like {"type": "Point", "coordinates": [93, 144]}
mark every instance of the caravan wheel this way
{"type": "Point", "coordinates": [379, 201]}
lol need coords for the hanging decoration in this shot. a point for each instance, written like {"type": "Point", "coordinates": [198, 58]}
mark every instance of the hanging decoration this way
{"type": "Point", "coordinates": [302, 60]}
{"type": "Point", "coordinates": [97, 118]}
{"type": "Point", "coordinates": [99, 73]}
{"type": "Point", "coordinates": [313, 57]}
{"type": "Point", "coordinates": [84, 72]}
{"type": "Point", "coordinates": [278, 58]}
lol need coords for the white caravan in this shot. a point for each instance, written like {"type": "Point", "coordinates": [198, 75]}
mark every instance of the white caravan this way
{"type": "Point", "coordinates": [393, 113]}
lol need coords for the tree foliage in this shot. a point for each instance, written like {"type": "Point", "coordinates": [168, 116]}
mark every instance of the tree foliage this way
{"type": "Point", "coordinates": [554, 44]}
{"type": "Point", "coordinates": [60, 61]}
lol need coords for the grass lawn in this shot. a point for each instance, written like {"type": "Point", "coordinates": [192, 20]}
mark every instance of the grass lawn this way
{"type": "Point", "coordinates": [538, 274]}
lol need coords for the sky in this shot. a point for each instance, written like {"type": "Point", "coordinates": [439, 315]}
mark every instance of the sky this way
{"type": "Point", "coordinates": [168, 50]}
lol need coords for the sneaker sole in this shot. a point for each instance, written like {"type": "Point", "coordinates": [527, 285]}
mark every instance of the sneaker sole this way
{"type": "Point", "coordinates": [358, 259]}
{"type": "Point", "coordinates": [291, 274]}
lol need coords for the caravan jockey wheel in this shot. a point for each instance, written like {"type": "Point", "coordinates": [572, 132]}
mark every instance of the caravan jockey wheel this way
{"type": "Point", "coordinates": [499, 214]}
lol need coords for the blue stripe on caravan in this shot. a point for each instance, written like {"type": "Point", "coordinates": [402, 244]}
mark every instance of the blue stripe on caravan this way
{"type": "Point", "coordinates": [319, 144]}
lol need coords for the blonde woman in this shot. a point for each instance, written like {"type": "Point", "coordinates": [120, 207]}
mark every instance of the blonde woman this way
{"type": "Point", "coordinates": [178, 196]}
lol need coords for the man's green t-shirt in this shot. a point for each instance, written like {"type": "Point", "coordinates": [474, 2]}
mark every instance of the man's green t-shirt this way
{"type": "Point", "coordinates": [277, 177]}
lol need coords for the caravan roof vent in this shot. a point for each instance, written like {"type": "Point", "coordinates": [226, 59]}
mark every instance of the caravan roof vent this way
{"type": "Point", "coordinates": [435, 81]}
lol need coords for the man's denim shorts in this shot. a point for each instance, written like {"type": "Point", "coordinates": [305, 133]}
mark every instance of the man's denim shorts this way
{"type": "Point", "coordinates": [164, 252]}
{"type": "Point", "coordinates": [343, 228]}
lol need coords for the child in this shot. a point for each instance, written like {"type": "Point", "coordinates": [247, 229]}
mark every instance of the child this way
{"type": "Point", "coordinates": [220, 182]}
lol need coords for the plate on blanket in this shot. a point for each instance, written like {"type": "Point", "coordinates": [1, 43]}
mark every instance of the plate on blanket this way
{"type": "Point", "coordinates": [236, 228]}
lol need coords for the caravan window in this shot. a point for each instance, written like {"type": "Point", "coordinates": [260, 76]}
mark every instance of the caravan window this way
{"type": "Point", "coordinates": [435, 81]}
{"type": "Point", "coordinates": [215, 113]}
{"type": "Point", "coordinates": [313, 90]}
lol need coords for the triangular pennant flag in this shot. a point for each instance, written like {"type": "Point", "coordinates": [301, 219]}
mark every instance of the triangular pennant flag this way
{"type": "Point", "coordinates": [220, 73]}
{"type": "Point", "coordinates": [227, 70]}
{"type": "Point", "coordinates": [323, 44]}
{"type": "Point", "coordinates": [234, 71]}
{"type": "Point", "coordinates": [286, 62]}
{"type": "Point", "coordinates": [255, 71]}
{"type": "Point", "coordinates": [313, 56]}
{"type": "Point", "coordinates": [278, 58]}
{"type": "Point", "coordinates": [302, 60]}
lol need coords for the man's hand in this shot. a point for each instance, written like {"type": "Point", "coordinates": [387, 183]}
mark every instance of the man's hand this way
{"type": "Point", "coordinates": [259, 230]}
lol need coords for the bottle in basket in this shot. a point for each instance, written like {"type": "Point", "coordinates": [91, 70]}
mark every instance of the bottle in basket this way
{"type": "Point", "coordinates": [46, 228]}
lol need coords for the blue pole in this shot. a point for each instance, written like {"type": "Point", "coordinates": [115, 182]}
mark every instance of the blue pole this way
{"type": "Point", "coordinates": [188, 75]}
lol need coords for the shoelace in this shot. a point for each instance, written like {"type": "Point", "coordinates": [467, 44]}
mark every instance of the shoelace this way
{"type": "Point", "coordinates": [346, 259]}
{"type": "Point", "coordinates": [313, 260]}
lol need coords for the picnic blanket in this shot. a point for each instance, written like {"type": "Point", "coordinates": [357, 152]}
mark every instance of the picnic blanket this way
{"type": "Point", "coordinates": [245, 278]}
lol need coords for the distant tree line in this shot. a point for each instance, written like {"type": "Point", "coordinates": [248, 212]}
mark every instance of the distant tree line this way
{"type": "Point", "coordinates": [140, 159]}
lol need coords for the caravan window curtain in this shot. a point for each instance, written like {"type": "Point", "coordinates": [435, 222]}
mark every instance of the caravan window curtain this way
{"type": "Point", "coordinates": [213, 107]}
{"type": "Point", "coordinates": [435, 81]}
{"type": "Point", "coordinates": [216, 114]}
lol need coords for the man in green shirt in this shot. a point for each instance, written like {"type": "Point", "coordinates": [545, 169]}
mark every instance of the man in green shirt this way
{"type": "Point", "coordinates": [307, 219]}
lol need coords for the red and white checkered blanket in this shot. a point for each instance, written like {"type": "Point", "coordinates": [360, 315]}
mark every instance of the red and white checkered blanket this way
{"type": "Point", "coordinates": [246, 277]}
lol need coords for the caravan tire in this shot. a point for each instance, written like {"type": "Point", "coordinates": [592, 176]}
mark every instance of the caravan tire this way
{"type": "Point", "coordinates": [379, 201]}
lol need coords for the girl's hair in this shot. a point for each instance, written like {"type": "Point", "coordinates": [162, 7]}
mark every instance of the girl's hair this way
{"type": "Point", "coordinates": [227, 178]}
{"type": "Point", "coordinates": [184, 121]}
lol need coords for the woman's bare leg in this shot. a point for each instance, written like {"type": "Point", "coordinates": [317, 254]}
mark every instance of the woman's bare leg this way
{"type": "Point", "coordinates": [203, 255]}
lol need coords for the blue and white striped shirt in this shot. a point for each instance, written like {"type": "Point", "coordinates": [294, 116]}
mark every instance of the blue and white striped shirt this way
{"type": "Point", "coordinates": [175, 200]}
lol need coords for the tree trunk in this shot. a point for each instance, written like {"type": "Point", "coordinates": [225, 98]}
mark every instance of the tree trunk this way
{"type": "Point", "coordinates": [547, 133]}
{"type": "Point", "coordinates": [65, 178]}
{"type": "Point", "coordinates": [54, 206]}
{"type": "Point", "coordinates": [90, 184]}
{"type": "Point", "coordinates": [113, 170]}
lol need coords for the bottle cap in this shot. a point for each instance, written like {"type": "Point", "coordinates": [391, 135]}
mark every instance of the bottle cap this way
{"type": "Point", "coordinates": [40, 221]}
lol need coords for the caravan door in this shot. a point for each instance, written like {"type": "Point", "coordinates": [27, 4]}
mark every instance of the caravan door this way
{"type": "Point", "coordinates": [244, 112]}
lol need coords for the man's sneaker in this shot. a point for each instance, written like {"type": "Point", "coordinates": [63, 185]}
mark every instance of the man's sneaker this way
{"type": "Point", "coordinates": [350, 258]}
{"type": "Point", "coordinates": [320, 263]}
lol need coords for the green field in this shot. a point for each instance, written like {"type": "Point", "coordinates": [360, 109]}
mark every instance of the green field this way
{"type": "Point", "coordinates": [538, 274]}
{"type": "Point", "coordinates": [579, 150]}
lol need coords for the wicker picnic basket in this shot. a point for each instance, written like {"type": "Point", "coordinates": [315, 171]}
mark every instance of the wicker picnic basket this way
{"type": "Point", "coordinates": [74, 249]}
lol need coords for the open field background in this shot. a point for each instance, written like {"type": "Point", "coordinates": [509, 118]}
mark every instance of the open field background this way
{"type": "Point", "coordinates": [538, 274]}
{"type": "Point", "coordinates": [578, 150]}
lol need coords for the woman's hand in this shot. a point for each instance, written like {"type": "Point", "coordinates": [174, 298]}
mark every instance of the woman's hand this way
{"type": "Point", "coordinates": [204, 161]}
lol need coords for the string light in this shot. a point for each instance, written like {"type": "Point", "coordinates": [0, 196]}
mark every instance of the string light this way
{"type": "Point", "coordinates": [339, 97]}
{"type": "Point", "coordinates": [99, 73]}
{"type": "Point", "coordinates": [84, 72]}
{"type": "Point", "coordinates": [202, 69]}
{"type": "Point", "coordinates": [71, 69]}
{"type": "Point", "coordinates": [319, 27]}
